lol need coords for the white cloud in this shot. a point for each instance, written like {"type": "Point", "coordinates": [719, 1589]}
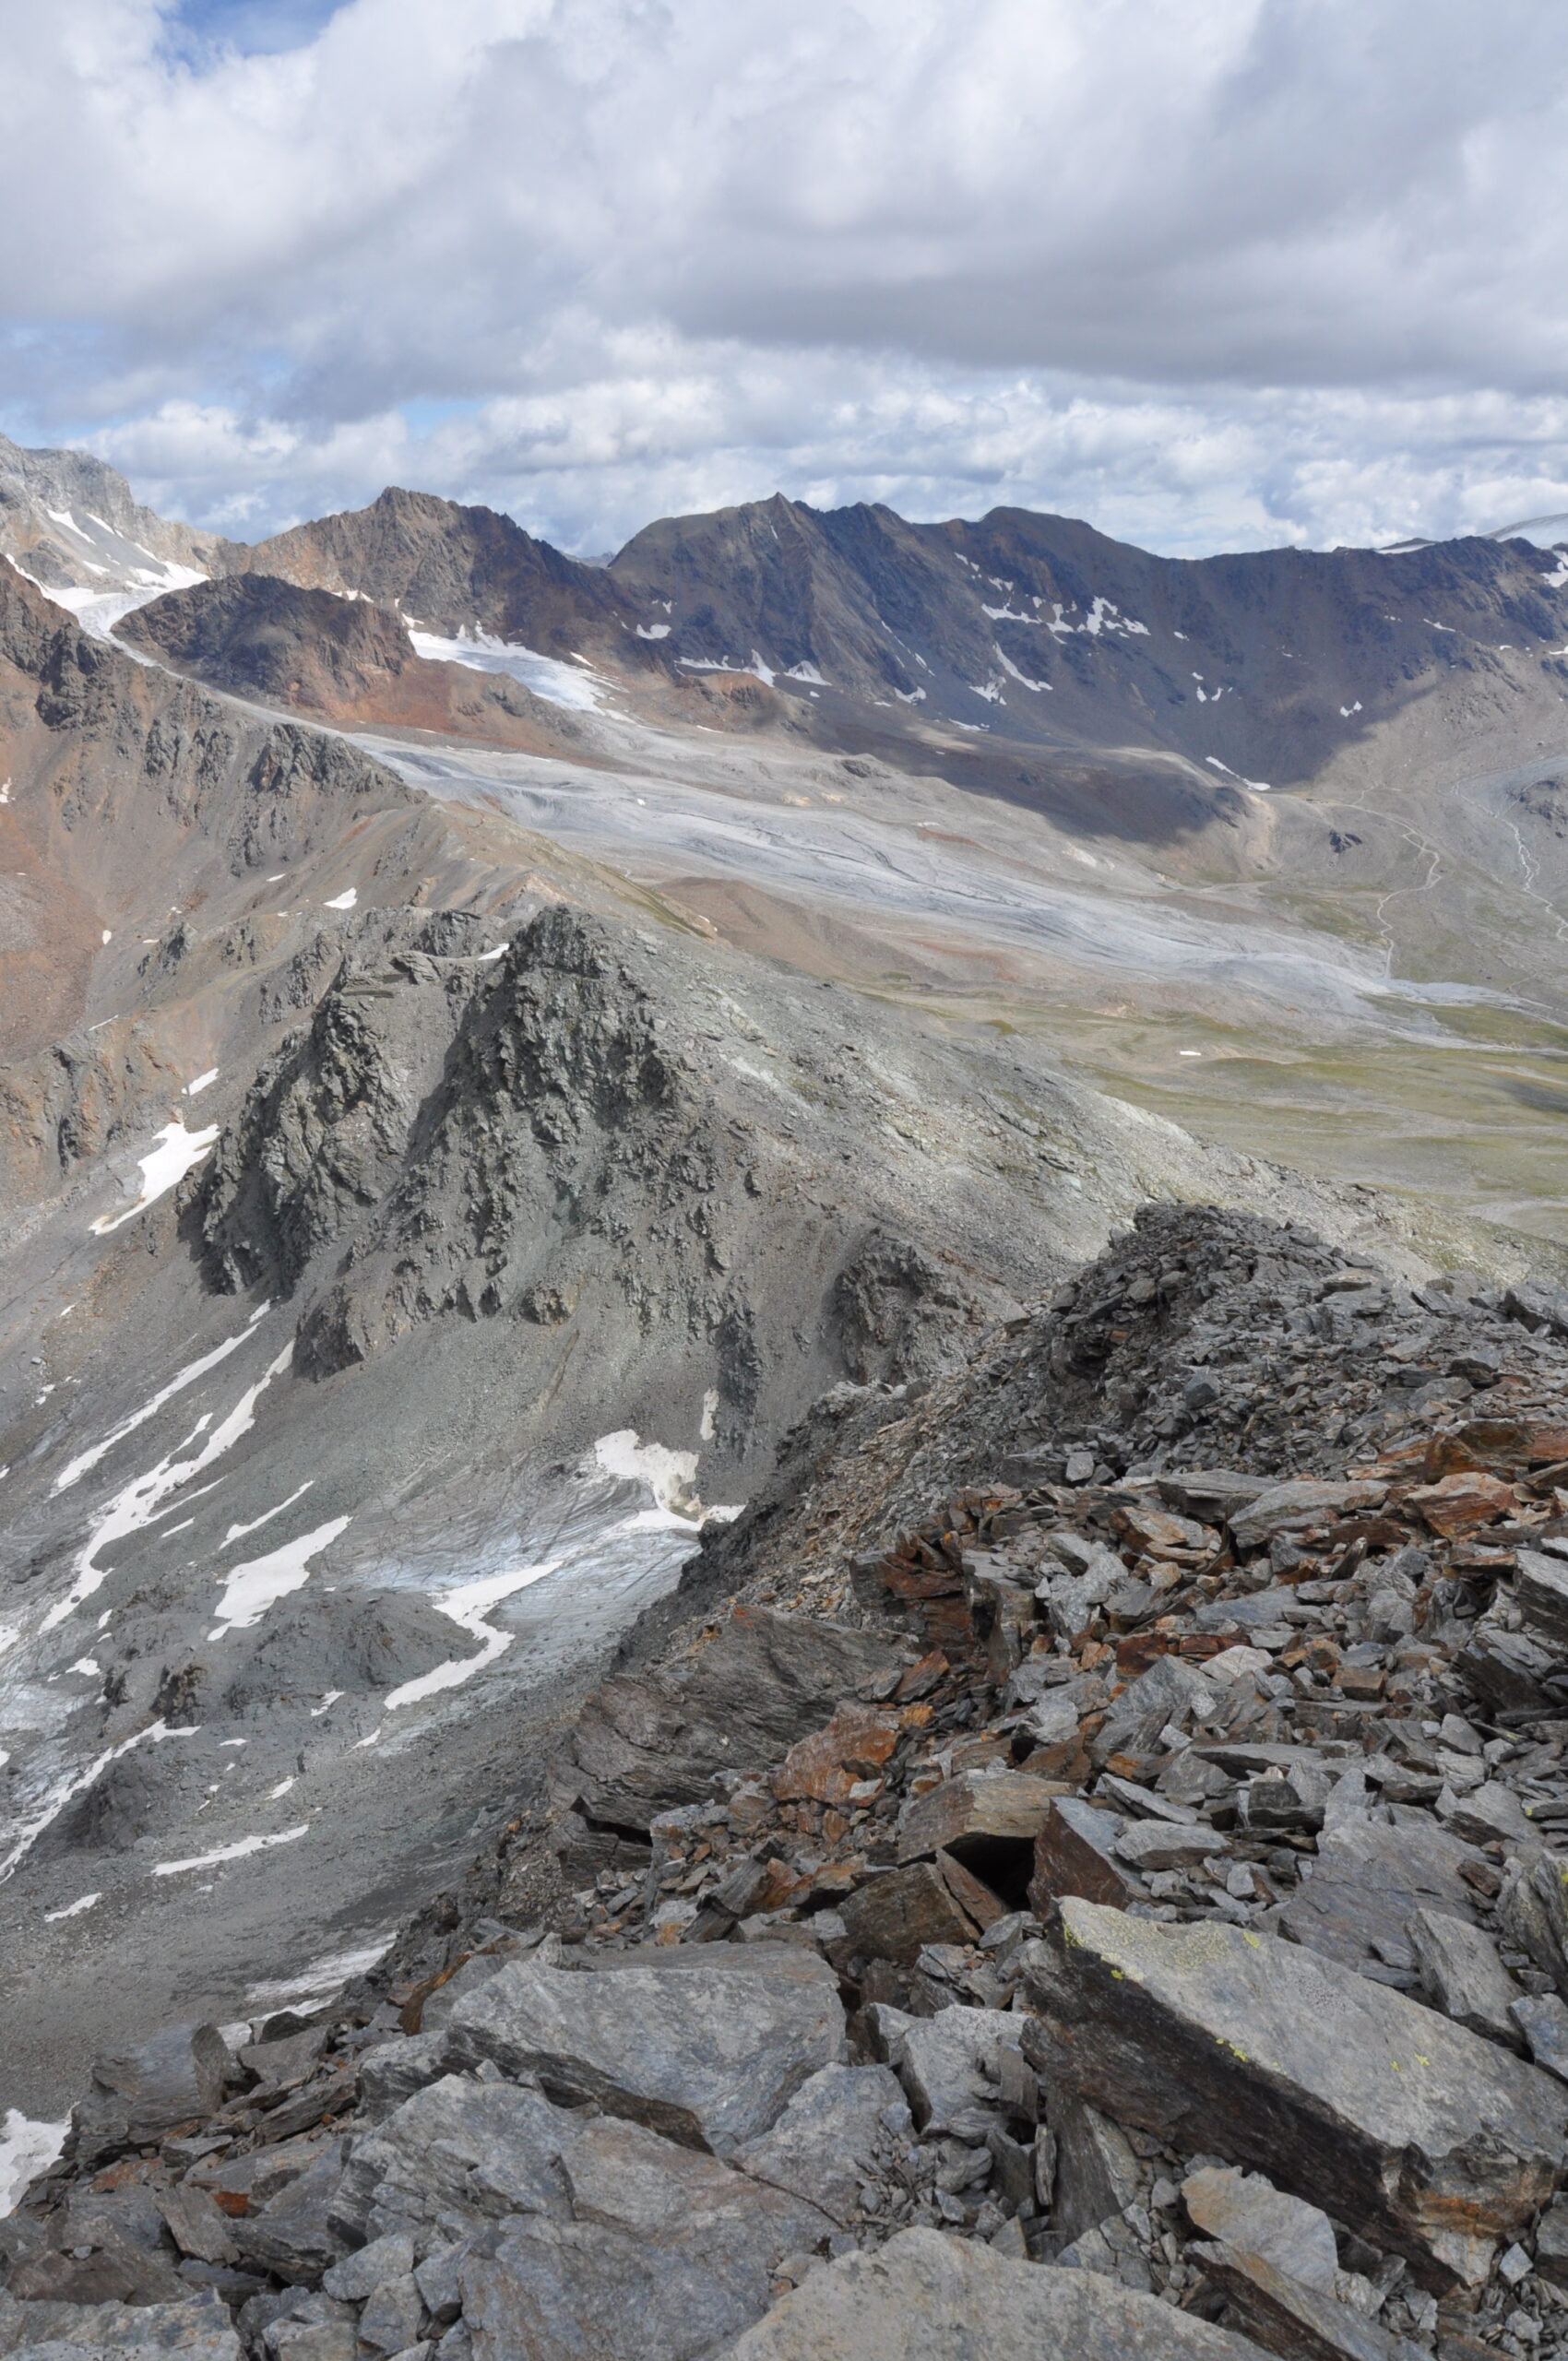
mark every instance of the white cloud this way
{"type": "Point", "coordinates": [1209, 270]}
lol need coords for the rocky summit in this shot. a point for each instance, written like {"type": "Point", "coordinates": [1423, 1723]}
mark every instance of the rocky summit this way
{"type": "Point", "coordinates": [1075, 1868]}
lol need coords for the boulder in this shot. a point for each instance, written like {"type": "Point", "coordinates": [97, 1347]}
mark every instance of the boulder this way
{"type": "Point", "coordinates": [1304, 1500]}
{"type": "Point", "coordinates": [707, 2047]}
{"type": "Point", "coordinates": [829, 1765]}
{"type": "Point", "coordinates": [1076, 1851]}
{"type": "Point", "coordinates": [987, 1820]}
{"type": "Point", "coordinates": [1296, 2321]}
{"type": "Point", "coordinates": [1163, 1844]}
{"type": "Point", "coordinates": [294, 2234]}
{"type": "Point", "coordinates": [197, 2328]}
{"type": "Point", "coordinates": [926, 2297]}
{"type": "Point", "coordinates": [1368, 1881]}
{"type": "Point", "coordinates": [1433, 2141]}
{"type": "Point", "coordinates": [141, 2093]}
{"type": "Point", "coordinates": [1096, 2172]}
{"type": "Point", "coordinates": [1461, 1974]}
{"type": "Point", "coordinates": [1532, 1912]}
{"type": "Point", "coordinates": [826, 2142]}
{"type": "Point", "coordinates": [1542, 2019]}
{"type": "Point", "coordinates": [649, 2252]}
{"type": "Point", "coordinates": [895, 1917]}
{"type": "Point", "coordinates": [1246, 2211]}
{"type": "Point", "coordinates": [644, 1744]}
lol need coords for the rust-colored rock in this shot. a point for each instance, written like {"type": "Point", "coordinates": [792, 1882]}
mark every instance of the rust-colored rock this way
{"type": "Point", "coordinates": [895, 1917]}
{"type": "Point", "coordinates": [826, 1766]}
{"type": "Point", "coordinates": [1074, 1854]}
{"type": "Point", "coordinates": [1460, 1503]}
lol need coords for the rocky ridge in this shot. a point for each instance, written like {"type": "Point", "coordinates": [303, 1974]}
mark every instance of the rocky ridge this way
{"type": "Point", "coordinates": [1078, 1869]}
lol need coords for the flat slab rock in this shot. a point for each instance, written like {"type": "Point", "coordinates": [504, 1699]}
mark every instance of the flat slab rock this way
{"type": "Point", "coordinates": [707, 2047]}
{"type": "Point", "coordinates": [926, 2297]}
{"type": "Point", "coordinates": [198, 2330]}
{"type": "Point", "coordinates": [1433, 2141]}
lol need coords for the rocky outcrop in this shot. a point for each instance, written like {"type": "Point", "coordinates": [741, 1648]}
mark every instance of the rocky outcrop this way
{"type": "Point", "coordinates": [728, 2097]}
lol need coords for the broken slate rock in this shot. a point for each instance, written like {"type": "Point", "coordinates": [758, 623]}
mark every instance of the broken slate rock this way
{"type": "Point", "coordinates": [895, 1917]}
{"type": "Point", "coordinates": [1433, 2141]}
{"type": "Point", "coordinates": [825, 2144]}
{"type": "Point", "coordinates": [1160, 1844]}
{"type": "Point", "coordinates": [1461, 1974]}
{"type": "Point", "coordinates": [1543, 2017]}
{"type": "Point", "coordinates": [1296, 2321]}
{"type": "Point", "coordinates": [1076, 1851]}
{"type": "Point", "coordinates": [294, 2236]}
{"type": "Point", "coordinates": [1532, 1912]}
{"type": "Point", "coordinates": [1541, 1592]}
{"type": "Point", "coordinates": [926, 2297]}
{"type": "Point", "coordinates": [1096, 2172]}
{"type": "Point", "coordinates": [1245, 2210]}
{"type": "Point", "coordinates": [1368, 1880]}
{"type": "Point", "coordinates": [707, 2047]}
{"type": "Point", "coordinates": [949, 2064]}
{"type": "Point", "coordinates": [197, 2329]}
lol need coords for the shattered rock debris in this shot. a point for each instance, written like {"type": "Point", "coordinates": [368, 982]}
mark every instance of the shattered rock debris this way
{"type": "Point", "coordinates": [1082, 1868]}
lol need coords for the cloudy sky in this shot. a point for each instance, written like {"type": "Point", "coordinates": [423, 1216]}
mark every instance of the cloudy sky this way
{"type": "Point", "coordinates": [1211, 273]}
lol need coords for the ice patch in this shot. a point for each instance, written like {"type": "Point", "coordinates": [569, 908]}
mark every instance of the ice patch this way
{"type": "Point", "coordinates": [653, 631]}
{"type": "Point", "coordinates": [194, 1090]}
{"type": "Point", "coordinates": [72, 1909]}
{"type": "Point", "coordinates": [247, 1845]}
{"type": "Point", "coordinates": [138, 1503]}
{"type": "Point", "coordinates": [558, 684]}
{"type": "Point", "coordinates": [343, 901]}
{"type": "Point", "coordinates": [238, 1532]}
{"type": "Point", "coordinates": [807, 672]}
{"type": "Point", "coordinates": [87, 1665]}
{"type": "Point", "coordinates": [1008, 666]}
{"type": "Point", "coordinates": [280, 1789]}
{"type": "Point", "coordinates": [1346, 710]}
{"type": "Point", "coordinates": [323, 1976]}
{"type": "Point", "coordinates": [174, 1153]}
{"type": "Point", "coordinates": [326, 1706]}
{"type": "Point", "coordinates": [26, 2149]}
{"type": "Point", "coordinates": [467, 1607]}
{"type": "Point", "coordinates": [251, 1588]}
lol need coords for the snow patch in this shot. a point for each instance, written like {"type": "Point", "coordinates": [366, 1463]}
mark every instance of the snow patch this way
{"type": "Point", "coordinates": [556, 683]}
{"type": "Point", "coordinates": [72, 1909]}
{"type": "Point", "coordinates": [321, 1977]}
{"type": "Point", "coordinates": [238, 1532]}
{"type": "Point", "coordinates": [79, 1467]}
{"type": "Point", "coordinates": [467, 1607]}
{"type": "Point", "coordinates": [670, 1475]}
{"type": "Point", "coordinates": [203, 1082]}
{"type": "Point", "coordinates": [26, 2149]}
{"type": "Point", "coordinates": [174, 1153]}
{"type": "Point", "coordinates": [260, 1582]}
{"type": "Point", "coordinates": [239, 1852]}
{"type": "Point", "coordinates": [653, 631]}
{"type": "Point", "coordinates": [343, 901]}
{"type": "Point", "coordinates": [137, 1505]}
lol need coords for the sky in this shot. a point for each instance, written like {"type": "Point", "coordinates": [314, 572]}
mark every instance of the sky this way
{"type": "Point", "coordinates": [1210, 273]}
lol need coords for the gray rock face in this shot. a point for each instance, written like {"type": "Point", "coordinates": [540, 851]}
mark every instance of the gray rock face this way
{"type": "Point", "coordinates": [647, 1745]}
{"type": "Point", "coordinates": [142, 2092]}
{"type": "Point", "coordinates": [949, 2064]}
{"type": "Point", "coordinates": [1439, 2142]}
{"type": "Point", "coordinates": [198, 2328]}
{"type": "Point", "coordinates": [826, 2142]}
{"type": "Point", "coordinates": [924, 2297]}
{"type": "Point", "coordinates": [574, 2233]}
{"type": "Point", "coordinates": [707, 2050]}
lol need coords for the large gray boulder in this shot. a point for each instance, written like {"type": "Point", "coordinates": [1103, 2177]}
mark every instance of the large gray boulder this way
{"type": "Point", "coordinates": [1433, 2141]}
{"type": "Point", "coordinates": [142, 2092]}
{"type": "Point", "coordinates": [575, 2234]}
{"type": "Point", "coordinates": [704, 2046]}
{"type": "Point", "coordinates": [926, 2297]}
